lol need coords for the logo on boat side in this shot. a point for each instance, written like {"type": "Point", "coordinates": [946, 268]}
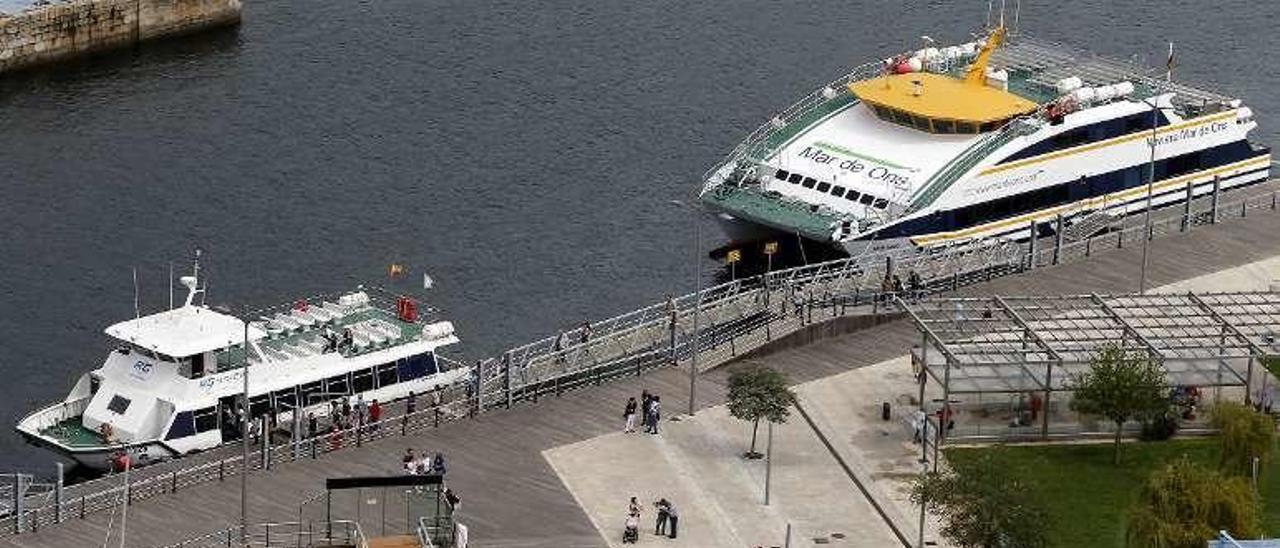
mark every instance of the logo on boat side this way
{"type": "Point", "coordinates": [141, 370]}
{"type": "Point", "coordinates": [1188, 133]}
{"type": "Point", "coordinates": [868, 166]}
{"type": "Point", "coordinates": [208, 383]}
{"type": "Point", "coordinates": [1008, 183]}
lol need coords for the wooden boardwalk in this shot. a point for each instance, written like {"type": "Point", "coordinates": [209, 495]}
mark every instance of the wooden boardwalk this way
{"type": "Point", "coordinates": [512, 498]}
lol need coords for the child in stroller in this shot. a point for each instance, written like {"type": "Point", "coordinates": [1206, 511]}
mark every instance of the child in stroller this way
{"type": "Point", "coordinates": [631, 530]}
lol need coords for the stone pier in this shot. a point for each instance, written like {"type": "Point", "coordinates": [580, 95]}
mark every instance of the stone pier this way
{"type": "Point", "coordinates": [64, 30]}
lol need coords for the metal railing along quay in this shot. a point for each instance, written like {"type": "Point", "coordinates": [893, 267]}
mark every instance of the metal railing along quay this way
{"type": "Point", "coordinates": [736, 317]}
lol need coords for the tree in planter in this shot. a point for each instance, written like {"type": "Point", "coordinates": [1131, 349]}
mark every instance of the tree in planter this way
{"type": "Point", "coordinates": [1242, 435]}
{"type": "Point", "coordinates": [1183, 505]}
{"type": "Point", "coordinates": [982, 505]}
{"type": "Point", "coordinates": [1120, 385]}
{"type": "Point", "coordinates": [757, 392]}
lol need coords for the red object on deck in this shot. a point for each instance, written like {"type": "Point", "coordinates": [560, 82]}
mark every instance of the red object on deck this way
{"type": "Point", "coordinates": [120, 462]}
{"type": "Point", "coordinates": [407, 309]}
{"type": "Point", "coordinates": [301, 305]}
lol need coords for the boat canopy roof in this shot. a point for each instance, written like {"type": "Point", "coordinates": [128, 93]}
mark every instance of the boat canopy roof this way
{"type": "Point", "coordinates": [184, 331]}
{"type": "Point", "coordinates": [939, 97]}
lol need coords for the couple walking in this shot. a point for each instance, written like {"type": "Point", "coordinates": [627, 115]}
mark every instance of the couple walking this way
{"type": "Point", "coordinates": [651, 410]}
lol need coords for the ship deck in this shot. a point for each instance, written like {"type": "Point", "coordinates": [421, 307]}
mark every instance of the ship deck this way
{"type": "Point", "coordinates": [74, 434]}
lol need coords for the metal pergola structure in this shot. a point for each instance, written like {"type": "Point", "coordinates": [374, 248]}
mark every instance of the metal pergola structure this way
{"type": "Point", "coordinates": [976, 345]}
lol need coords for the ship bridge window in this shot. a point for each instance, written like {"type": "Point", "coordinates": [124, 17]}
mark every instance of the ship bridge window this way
{"type": "Point", "coordinates": [206, 419]}
{"type": "Point", "coordinates": [181, 427]}
{"type": "Point", "coordinates": [880, 203]}
{"type": "Point", "coordinates": [809, 182]}
{"type": "Point", "coordinates": [837, 191]}
{"type": "Point", "coordinates": [867, 199]}
{"type": "Point", "coordinates": [118, 404]}
{"type": "Point", "coordinates": [387, 374]}
{"type": "Point", "coordinates": [285, 399]}
{"type": "Point", "coordinates": [795, 178]}
{"type": "Point", "coordinates": [311, 393]}
{"type": "Point", "coordinates": [781, 175]}
{"type": "Point", "coordinates": [852, 196]}
{"type": "Point", "coordinates": [944, 126]}
{"type": "Point", "coordinates": [824, 186]}
{"type": "Point", "coordinates": [337, 385]}
{"type": "Point", "coordinates": [362, 381]}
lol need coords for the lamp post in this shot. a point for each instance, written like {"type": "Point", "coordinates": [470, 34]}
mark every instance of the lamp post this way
{"type": "Point", "coordinates": [697, 307]}
{"type": "Point", "coordinates": [1151, 181]}
{"type": "Point", "coordinates": [244, 442]}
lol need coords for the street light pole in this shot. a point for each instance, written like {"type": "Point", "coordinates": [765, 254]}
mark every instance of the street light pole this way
{"type": "Point", "coordinates": [1151, 181]}
{"type": "Point", "coordinates": [244, 443]}
{"type": "Point", "coordinates": [697, 310]}
{"type": "Point", "coordinates": [697, 307]}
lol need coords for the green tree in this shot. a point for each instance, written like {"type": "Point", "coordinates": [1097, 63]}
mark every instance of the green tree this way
{"type": "Point", "coordinates": [1120, 385]}
{"type": "Point", "coordinates": [1242, 435]}
{"type": "Point", "coordinates": [758, 392]}
{"type": "Point", "coordinates": [1183, 505]}
{"type": "Point", "coordinates": [983, 505]}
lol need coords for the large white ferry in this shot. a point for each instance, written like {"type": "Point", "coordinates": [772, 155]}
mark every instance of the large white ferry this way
{"type": "Point", "coordinates": [948, 145]}
{"type": "Point", "coordinates": [172, 385]}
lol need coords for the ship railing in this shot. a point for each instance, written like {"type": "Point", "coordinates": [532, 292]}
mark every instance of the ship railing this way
{"type": "Point", "coordinates": [56, 413]}
{"type": "Point", "coordinates": [748, 147]}
{"type": "Point", "coordinates": [336, 533]}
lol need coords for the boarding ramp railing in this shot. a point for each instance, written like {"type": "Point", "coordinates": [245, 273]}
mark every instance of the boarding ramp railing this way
{"type": "Point", "coordinates": [311, 534]}
{"type": "Point", "coordinates": [735, 318]}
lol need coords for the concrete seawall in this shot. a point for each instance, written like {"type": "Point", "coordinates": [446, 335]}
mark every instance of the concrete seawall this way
{"type": "Point", "coordinates": [69, 29]}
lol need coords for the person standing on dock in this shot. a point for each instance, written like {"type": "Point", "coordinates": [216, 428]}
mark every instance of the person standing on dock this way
{"type": "Point", "coordinates": [673, 518]}
{"type": "Point", "coordinates": [375, 415]}
{"type": "Point", "coordinates": [655, 414]}
{"type": "Point", "coordinates": [646, 401]}
{"type": "Point", "coordinates": [629, 415]}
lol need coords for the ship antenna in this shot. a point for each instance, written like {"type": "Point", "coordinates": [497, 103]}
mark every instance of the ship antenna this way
{"type": "Point", "coordinates": [1002, 6]}
{"type": "Point", "coordinates": [137, 313]}
{"type": "Point", "coordinates": [989, 2]}
{"type": "Point", "coordinates": [1017, 15]}
{"type": "Point", "coordinates": [192, 282]}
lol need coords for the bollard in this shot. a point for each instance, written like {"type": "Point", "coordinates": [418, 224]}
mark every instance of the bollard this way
{"type": "Point", "coordinates": [1088, 245]}
{"type": "Point", "coordinates": [1057, 239]}
{"type": "Point", "coordinates": [222, 469]}
{"type": "Point", "coordinates": [1217, 191]}
{"type": "Point", "coordinates": [81, 506]}
{"type": "Point", "coordinates": [173, 481]}
{"type": "Point", "coordinates": [1120, 239]}
{"type": "Point", "coordinates": [1244, 209]}
{"type": "Point", "coordinates": [1186, 206]}
{"type": "Point", "coordinates": [1031, 246]}
{"type": "Point", "coordinates": [57, 495]}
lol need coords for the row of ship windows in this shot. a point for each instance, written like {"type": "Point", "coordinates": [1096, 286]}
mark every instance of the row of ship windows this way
{"type": "Point", "coordinates": [835, 190]}
{"type": "Point", "coordinates": [347, 384]}
{"type": "Point", "coordinates": [935, 125]}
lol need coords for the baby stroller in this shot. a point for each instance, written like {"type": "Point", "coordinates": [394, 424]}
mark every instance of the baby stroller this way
{"type": "Point", "coordinates": [631, 531]}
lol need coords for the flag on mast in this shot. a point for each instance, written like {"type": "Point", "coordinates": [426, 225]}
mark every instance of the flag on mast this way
{"type": "Point", "coordinates": [1168, 74]}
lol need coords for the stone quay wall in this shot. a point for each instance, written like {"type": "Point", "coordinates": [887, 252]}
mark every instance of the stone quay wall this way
{"type": "Point", "coordinates": [68, 29]}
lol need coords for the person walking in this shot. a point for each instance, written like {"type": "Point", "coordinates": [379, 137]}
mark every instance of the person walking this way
{"type": "Point", "coordinates": [437, 464]}
{"type": "Point", "coordinates": [660, 526]}
{"type": "Point", "coordinates": [629, 415]}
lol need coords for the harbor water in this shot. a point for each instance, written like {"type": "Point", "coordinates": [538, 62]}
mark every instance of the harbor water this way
{"type": "Point", "coordinates": [523, 155]}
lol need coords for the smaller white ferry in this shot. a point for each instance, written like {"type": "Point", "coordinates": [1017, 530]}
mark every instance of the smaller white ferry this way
{"type": "Point", "coordinates": [172, 385]}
